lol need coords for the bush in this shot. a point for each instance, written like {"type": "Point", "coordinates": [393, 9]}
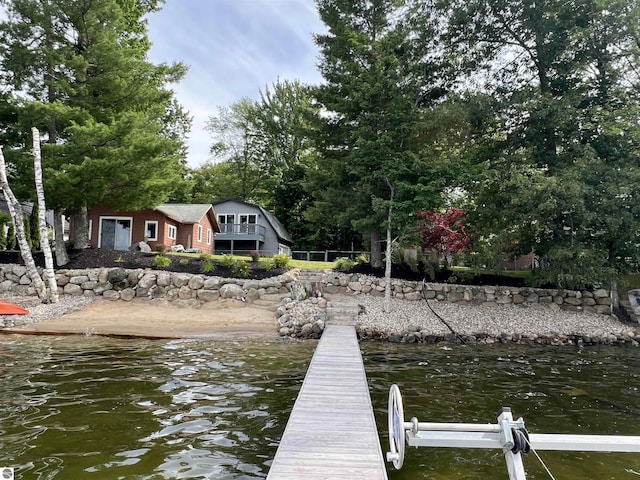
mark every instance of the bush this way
{"type": "Point", "coordinates": [255, 255]}
{"type": "Point", "coordinates": [183, 262]}
{"type": "Point", "coordinates": [160, 248]}
{"type": "Point", "coordinates": [228, 261]}
{"type": "Point", "coordinates": [161, 261]}
{"type": "Point", "coordinates": [344, 264]}
{"type": "Point", "coordinates": [207, 266]}
{"type": "Point", "coordinates": [241, 269]}
{"type": "Point", "coordinates": [280, 260]}
{"type": "Point", "coordinates": [203, 257]}
{"type": "Point", "coordinates": [267, 264]}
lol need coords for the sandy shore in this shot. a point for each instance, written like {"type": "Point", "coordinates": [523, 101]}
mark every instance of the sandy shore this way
{"type": "Point", "coordinates": [144, 318]}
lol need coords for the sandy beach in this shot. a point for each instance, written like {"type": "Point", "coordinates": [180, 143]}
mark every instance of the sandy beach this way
{"type": "Point", "coordinates": [145, 318]}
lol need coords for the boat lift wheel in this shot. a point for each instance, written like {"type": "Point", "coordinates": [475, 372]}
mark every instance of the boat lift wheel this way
{"type": "Point", "coordinates": [395, 420]}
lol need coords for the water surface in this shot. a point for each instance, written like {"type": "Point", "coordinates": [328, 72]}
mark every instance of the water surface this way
{"type": "Point", "coordinates": [96, 408]}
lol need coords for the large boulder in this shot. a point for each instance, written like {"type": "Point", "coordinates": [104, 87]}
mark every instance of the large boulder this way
{"type": "Point", "coordinates": [231, 290]}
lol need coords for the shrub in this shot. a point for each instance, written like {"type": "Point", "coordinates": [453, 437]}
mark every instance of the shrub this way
{"type": "Point", "coordinates": [207, 266]}
{"type": "Point", "coordinates": [203, 257]}
{"type": "Point", "coordinates": [227, 261]}
{"type": "Point", "coordinates": [267, 264]}
{"type": "Point", "coordinates": [241, 269]}
{"type": "Point", "coordinates": [363, 258]}
{"type": "Point", "coordinates": [344, 264]}
{"type": "Point", "coordinates": [280, 260]}
{"type": "Point", "coordinates": [160, 248]}
{"type": "Point", "coordinates": [161, 261]}
{"type": "Point", "coordinates": [183, 262]}
{"type": "Point", "coordinates": [255, 255]}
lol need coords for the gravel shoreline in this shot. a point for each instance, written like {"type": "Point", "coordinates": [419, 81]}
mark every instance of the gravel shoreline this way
{"type": "Point", "coordinates": [509, 322]}
{"type": "Point", "coordinates": [39, 311]}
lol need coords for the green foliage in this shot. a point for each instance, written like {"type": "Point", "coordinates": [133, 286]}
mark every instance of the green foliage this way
{"type": "Point", "coordinates": [205, 256]}
{"type": "Point", "coordinates": [11, 237]}
{"type": "Point", "coordinates": [363, 258]}
{"type": "Point", "coordinates": [240, 269]}
{"type": "Point", "coordinates": [183, 262]}
{"type": "Point", "coordinates": [27, 232]}
{"type": "Point", "coordinates": [267, 264]}
{"type": "Point", "coordinates": [111, 121]}
{"type": "Point", "coordinates": [161, 261]}
{"type": "Point", "coordinates": [344, 264]}
{"type": "Point", "coordinates": [280, 260]}
{"type": "Point", "coordinates": [228, 261]}
{"type": "Point", "coordinates": [34, 228]}
{"type": "Point", "coordinates": [3, 234]}
{"type": "Point", "coordinates": [207, 266]}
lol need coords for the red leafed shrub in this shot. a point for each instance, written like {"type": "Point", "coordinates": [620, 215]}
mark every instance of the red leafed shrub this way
{"type": "Point", "coordinates": [443, 233]}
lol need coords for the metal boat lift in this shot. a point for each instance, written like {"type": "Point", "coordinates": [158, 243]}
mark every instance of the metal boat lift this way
{"type": "Point", "coordinates": [508, 434]}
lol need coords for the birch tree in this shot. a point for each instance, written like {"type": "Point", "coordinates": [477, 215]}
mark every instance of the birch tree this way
{"type": "Point", "coordinates": [15, 209]}
{"type": "Point", "coordinates": [50, 275]}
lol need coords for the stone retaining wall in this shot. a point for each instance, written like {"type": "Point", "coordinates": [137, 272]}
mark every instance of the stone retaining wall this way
{"type": "Point", "coordinates": [597, 301]}
{"type": "Point", "coordinates": [306, 317]}
{"type": "Point", "coordinates": [121, 284]}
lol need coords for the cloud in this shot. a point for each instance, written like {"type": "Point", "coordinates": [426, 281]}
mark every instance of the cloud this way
{"type": "Point", "coordinates": [233, 49]}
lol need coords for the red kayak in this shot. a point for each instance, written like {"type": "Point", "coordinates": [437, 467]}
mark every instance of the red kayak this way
{"type": "Point", "coordinates": [7, 308]}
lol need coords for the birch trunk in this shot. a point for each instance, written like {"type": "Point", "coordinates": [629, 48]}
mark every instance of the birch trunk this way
{"type": "Point", "coordinates": [49, 274]}
{"type": "Point", "coordinates": [60, 248]}
{"type": "Point", "coordinates": [388, 252]}
{"type": "Point", "coordinates": [15, 209]}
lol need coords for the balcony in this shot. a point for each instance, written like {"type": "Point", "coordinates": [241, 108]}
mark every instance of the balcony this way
{"type": "Point", "coordinates": [241, 231]}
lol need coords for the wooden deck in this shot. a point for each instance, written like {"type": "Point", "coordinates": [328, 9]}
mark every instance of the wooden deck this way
{"type": "Point", "coordinates": [331, 433]}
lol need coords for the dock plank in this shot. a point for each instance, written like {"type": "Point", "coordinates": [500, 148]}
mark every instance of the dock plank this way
{"type": "Point", "coordinates": [331, 432]}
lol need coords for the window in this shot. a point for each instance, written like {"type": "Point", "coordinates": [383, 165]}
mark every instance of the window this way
{"type": "Point", "coordinates": [226, 223]}
{"type": "Point", "coordinates": [209, 236]}
{"type": "Point", "coordinates": [248, 223]}
{"type": "Point", "coordinates": [151, 230]}
{"type": "Point", "coordinates": [199, 233]}
{"type": "Point", "coordinates": [115, 233]}
{"type": "Point", "coordinates": [173, 232]}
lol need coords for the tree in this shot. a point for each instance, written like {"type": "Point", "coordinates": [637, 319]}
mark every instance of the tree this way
{"type": "Point", "coordinates": [370, 98]}
{"type": "Point", "coordinates": [560, 159]}
{"type": "Point", "coordinates": [80, 69]}
{"type": "Point", "coordinates": [443, 233]}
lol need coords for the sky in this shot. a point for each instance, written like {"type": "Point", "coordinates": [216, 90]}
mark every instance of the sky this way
{"type": "Point", "coordinates": [233, 48]}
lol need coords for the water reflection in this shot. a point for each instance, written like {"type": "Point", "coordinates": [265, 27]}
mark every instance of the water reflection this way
{"type": "Point", "coordinates": [95, 408]}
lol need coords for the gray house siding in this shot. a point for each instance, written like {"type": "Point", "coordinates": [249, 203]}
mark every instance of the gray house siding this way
{"type": "Point", "coordinates": [245, 227]}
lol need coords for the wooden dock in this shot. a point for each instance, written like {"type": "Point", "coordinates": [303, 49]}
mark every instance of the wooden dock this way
{"type": "Point", "coordinates": [331, 433]}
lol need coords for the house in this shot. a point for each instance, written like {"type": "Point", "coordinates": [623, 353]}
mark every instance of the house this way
{"type": "Point", "coordinates": [245, 227]}
{"type": "Point", "coordinates": [191, 225]}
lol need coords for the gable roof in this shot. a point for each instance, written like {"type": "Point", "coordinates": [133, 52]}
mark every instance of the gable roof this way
{"type": "Point", "coordinates": [188, 212]}
{"type": "Point", "coordinates": [275, 224]}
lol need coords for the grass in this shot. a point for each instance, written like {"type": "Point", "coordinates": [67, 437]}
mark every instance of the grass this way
{"type": "Point", "coordinates": [292, 263]}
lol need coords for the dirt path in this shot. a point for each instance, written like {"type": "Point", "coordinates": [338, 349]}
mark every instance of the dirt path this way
{"type": "Point", "coordinates": [140, 318]}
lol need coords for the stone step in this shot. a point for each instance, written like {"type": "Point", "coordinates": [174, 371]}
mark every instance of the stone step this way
{"type": "Point", "coordinates": [342, 313]}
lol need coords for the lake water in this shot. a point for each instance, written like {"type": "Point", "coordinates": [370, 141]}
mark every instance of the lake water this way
{"type": "Point", "coordinates": [97, 408]}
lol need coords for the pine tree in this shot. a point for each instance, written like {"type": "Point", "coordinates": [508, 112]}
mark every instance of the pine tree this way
{"type": "Point", "coordinates": [111, 122]}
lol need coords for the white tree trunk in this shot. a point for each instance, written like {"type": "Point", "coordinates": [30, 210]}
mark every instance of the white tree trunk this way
{"type": "Point", "coordinates": [18, 222]}
{"type": "Point", "coordinates": [389, 251]}
{"type": "Point", "coordinates": [61, 249]}
{"type": "Point", "coordinates": [49, 274]}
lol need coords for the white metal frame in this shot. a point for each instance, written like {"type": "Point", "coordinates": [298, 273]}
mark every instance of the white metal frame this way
{"type": "Point", "coordinates": [500, 435]}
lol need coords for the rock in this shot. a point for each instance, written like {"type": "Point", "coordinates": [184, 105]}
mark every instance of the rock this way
{"type": "Point", "coordinates": [127, 294]}
{"type": "Point", "coordinates": [140, 247]}
{"type": "Point", "coordinates": [111, 295]}
{"type": "Point", "coordinates": [231, 290]}
{"type": "Point", "coordinates": [147, 281]}
{"type": "Point", "coordinates": [208, 295]}
{"type": "Point", "coordinates": [116, 275]}
{"type": "Point", "coordinates": [100, 288]}
{"type": "Point", "coordinates": [163, 279]}
{"type": "Point", "coordinates": [73, 289]}
{"type": "Point", "coordinates": [212, 283]}
{"type": "Point", "coordinates": [196, 282]}
{"type": "Point", "coordinates": [180, 279]}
